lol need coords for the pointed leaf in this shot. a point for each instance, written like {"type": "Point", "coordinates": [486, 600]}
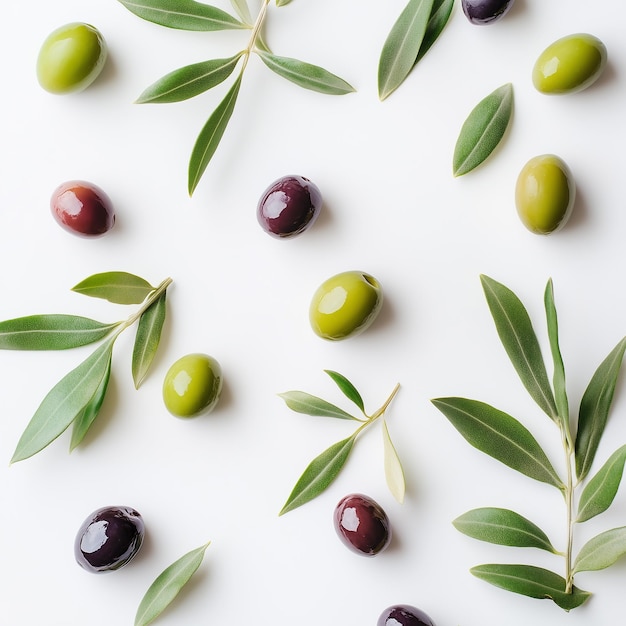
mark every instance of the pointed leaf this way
{"type": "Point", "coordinates": [520, 342]}
{"type": "Point", "coordinates": [483, 130]}
{"type": "Point", "coordinates": [402, 46]}
{"type": "Point", "coordinates": [499, 435]}
{"type": "Point", "coordinates": [147, 339]}
{"type": "Point", "coordinates": [64, 402]}
{"type": "Point", "coordinates": [594, 409]}
{"type": "Point", "coordinates": [319, 474]}
{"type": "Point", "coordinates": [306, 75]}
{"type": "Point", "coordinates": [534, 582]}
{"type": "Point", "coordinates": [503, 527]}
{"type": "Point", "coordinates": [85, 418]}
{"type": "Point", "coordinates": [211, 135]}
{"type": "Point", "coordinates": [600, 491]}
{"type": "Point", "coordinates": [558, 378]}
{"type": "Point", "coordinates": [167, 585]}
{"type": "Point", "coordinates": [189, 81]}
{"type": "Point", "coordinates": [348, 389]}
{"type": "Point", "coordinates": [394, 473]}
{"type": "Point", "coordinates": [601, 551]}
{"type": "Point", "coordinates": [51, 332]}
{"type": "Point", "coordinates": [439, 16]}
{"type": "Point", "coordinates": [303, 402]}
{"type": "Point", "coordinates": [183, 14]}
{"type": "Point", "coordinates": [282, 3]}
{"type": "Point", "coordinates": [243, 11]}
{"type": "Point", "coordinates": [116, 287]}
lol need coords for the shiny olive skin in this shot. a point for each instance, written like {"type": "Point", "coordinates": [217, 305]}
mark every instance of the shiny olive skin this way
{"type": "Point", "coordinates": [485, 11]}
{"type": "Point", "coordinates": [404, 615]}
{"type": "Point", "coordinates": [345, 305]}
{"type": "Point", "coordinates": [192, 385]}
{"type": "Point", "coordinates": [544, 194]}
{"type": "Point", "coordinates": [289, 206]}
{"type": "Point", "coordinates": [362, 525]}
{"type": "Point", "coordinates": [82, 208]}
{"type": "Point", "coordinates": [109, 538]}
{"type": "Point", "coordinates": [569, 64]}
{"type": "Point", "coordinates": [71, 58]}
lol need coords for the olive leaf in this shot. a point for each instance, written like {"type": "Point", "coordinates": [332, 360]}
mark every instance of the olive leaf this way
{"type": "Point", "coordinates": [147, 339]}
{"type": "Point", "coordinates": [282, 3]}
{"type": "Point", "coordinates": [531, 581]}
{"type": "Point", "coordinates": [189, 81]}
{"type": "Point", "coordinates": [243, 11]}
{"type": "Point", "coordinates": [116, 287]}
{"type": "Point", "coordinates": [439, 17]}
{"type": "Point", "coordinates": [483, 130]}
{"type": "Point", "coordinates": [400, 50]}
{"type": "Point", "coordinates": [500, 436]}
{"type": "Point", "coordinates": [167, 585]}
{"type": "Point", "coordinates": [320, 472]}
{"type": "Point", "coordinates": [183, 14]}
{"type": "Point", "coordinates": [601, 551]}
{"type": "Point", "coordinates": [51, 332]}
{"type": "Point", "coordinates": [520, 342]}
{"type": "Point", "coordinates": [600, 491]}
{"type": "Point", "coordinates": [504, 527]}
{"type": "Point", "coordinates": [594, 408]}
{"type": "Point", "coordinates": [305, 74]}
{"type": "Point", "coordinates": [558, 377]}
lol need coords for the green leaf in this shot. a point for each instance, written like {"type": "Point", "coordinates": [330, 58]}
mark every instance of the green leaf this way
{"type": "Point", "coordinates": [504, 527]}
{"type": "Point", "coordinates": [601, 551]}
{"type": "Point", "coordinates": [211, 135]}
{"type": "Point", "coordinates": [594, 409]}
{"type": "Point", "coordinates": [64, 402]}
{"type": "Point", "coordinates": [600, 491]}
{"type": "Point", "coordinates": [303, 402]}
{"type": "Point", "coordinates": [83, 421]}
{"type": "Point", "coordinates": [483, 130]}
{"type": "Point", "coordinates": [167, 585]}
{"type": "Point", "coordinates": [319, 474]}
{"type": "Point", "coordinates": [439, 16]}
{"type": "Point", "coordinates": [558, 377]}
{"type": "Point", "coordinates": [534, 582]}
{"type": "Point", "coordinates": [520, 342]}
{"type": "Point", "coordinates": [500, 436]}
{"type": "Point", "coordinates": [400, 50]}
{"type": "Point", "coordinates": [183, 14]}
{"type": "Point", "coordinates": [116, 287]}
{"type": "Point", "coordinates": [347, 388]}
{"type": "Point", "coordinates": [51, 332]}
{"type": "Point", "coordinates": [189, 81]}
{"type": "Point", "coordinates": [147, 338]}
{"type": "Point", "coordinates": [394, 474]}
{"type": "Point", "coordinates": [282, 3]}
{"type": "Point", "coordinates": [243, 11]}
{"type": "Point", "coordinates": [306, 75]}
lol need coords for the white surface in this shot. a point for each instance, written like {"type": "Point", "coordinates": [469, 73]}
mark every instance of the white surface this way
{"type": "Point", "coordinates": [392, 208]}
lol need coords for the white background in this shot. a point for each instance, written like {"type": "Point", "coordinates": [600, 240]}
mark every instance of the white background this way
{"type": "Point", "coordinates": [391, 208]}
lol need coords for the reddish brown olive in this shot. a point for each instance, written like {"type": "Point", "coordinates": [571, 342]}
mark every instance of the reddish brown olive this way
{"type": "Point", "coordinates": [362, 525]}
{"type": "Point", "coordinates": [82, 208]}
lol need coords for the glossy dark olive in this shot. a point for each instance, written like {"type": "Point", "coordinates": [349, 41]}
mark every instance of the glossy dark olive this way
{"type": "Point", "coordinates": [485, 11]}
{"type": "Point", "coordinates": [362, 525]}
{"type": "Point", "coordinates": [82, 208]}
{"type": "Point", "coordinates": [289, 206]}
{"type": "Point", "coordinates": [404, 615]}
{"type": "Point", "coordinates": [109, 538]}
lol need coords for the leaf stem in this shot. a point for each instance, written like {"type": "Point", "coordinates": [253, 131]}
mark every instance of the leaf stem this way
{"type": "Point", "coordinates": [569, 503]}
{"type": "Point", "coordinates": [147, 303]}
{"type": "Point", "coordinates": [255, 34]}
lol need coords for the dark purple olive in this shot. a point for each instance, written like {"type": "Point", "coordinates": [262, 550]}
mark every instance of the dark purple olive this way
{"type": "Point", "coordinates": [82, 208]}
{"type": "Point", "coordinates": [289, 206]}
{"type": "Point", "coordinates": [485, 11]}
{"type": "Point", "coordinates": [404, 615]}
{"type": "Point", "coordinates": [362, 524]}
{"type": "Point", "coordinates": [109, 538]}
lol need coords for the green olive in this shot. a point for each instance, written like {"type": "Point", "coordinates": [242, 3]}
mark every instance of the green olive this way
{"type": "Point", "coordinates": [345, 305]}
{"type": "Point", "coordinates": [569, 64]}
{"type": "Point", "coordinates": [192, 385]}
{"type": "Point", "coordinates": [544, 194]}
{"type": "Point", "coordinates": [71, 58]}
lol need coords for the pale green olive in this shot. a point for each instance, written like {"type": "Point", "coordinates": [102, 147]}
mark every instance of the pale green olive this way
{"type": "Point", "coordinates": [71, 58]}
{"type": "Point", "coordinates": [570, 64]}
{"type": "Point", "coordinates": [192, 385]}
{"type": "Point", "coordinates": [345, 305]}
{"type": "Point", "coordinates": [544, 194]}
